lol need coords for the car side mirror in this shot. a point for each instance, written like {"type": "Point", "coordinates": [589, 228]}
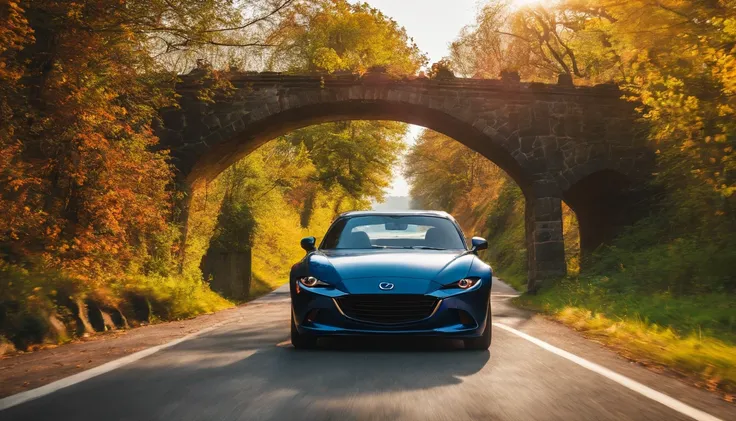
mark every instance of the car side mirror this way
{"type": "Point", "coordinates": [308, 244]}
{"type": "Point", "coordinates": [478, 244]}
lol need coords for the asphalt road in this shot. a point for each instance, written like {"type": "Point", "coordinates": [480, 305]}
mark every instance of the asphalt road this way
{"type": "Point", "coordinates": [247, 370]}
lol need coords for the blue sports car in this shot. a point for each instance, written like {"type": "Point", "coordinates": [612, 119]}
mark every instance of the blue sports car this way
{"type": "Point", "coordinates": [397, 273]}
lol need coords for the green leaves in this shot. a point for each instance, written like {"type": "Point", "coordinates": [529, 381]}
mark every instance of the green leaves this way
{"type": "Point", "coordinates": [356, 156]}
{"type": "Point", "coordinates": [332, 35]}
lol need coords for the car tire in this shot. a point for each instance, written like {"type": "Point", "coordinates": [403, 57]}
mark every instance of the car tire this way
{"type": "Point", "coordinates": [483, 342]}
{"type": "Point", "coordinates": [299, 340]}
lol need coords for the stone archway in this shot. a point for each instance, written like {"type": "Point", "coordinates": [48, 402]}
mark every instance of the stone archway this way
{"type": "Point", "coordinates": [604, 202]}
{"type": "Point", "coordinates": [546, 137]}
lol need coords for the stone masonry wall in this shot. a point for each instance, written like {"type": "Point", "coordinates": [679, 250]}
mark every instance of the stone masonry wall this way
{"type": "Point", "coordinates": [546, 137]}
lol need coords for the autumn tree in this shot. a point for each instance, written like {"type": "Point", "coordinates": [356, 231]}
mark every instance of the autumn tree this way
{"type": "Point", "coordinates": [332, 35]}
{"type": "Point", "coordinates": [85, 194]}
{"type": "Point", "coordinates": [540, 42]}
{"type": "Point", "coordinates": [675, 58]}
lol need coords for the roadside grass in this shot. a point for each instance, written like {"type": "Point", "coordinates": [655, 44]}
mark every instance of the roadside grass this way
{"type": "Point", "coordinates": [176, 297]}
{"type": "Point", "coordinates": [262, 285]}
{"type": "Point", "coordinates": [692, 335]}
{"type": "Point", "coordinates": [516, 279]}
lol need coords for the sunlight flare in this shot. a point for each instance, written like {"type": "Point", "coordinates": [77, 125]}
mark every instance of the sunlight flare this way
{"type": "Point", "coordinates": [517, 4]}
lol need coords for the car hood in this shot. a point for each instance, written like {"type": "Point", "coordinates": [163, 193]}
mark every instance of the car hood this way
{"type": "Point", "coordinates": [412, 271]}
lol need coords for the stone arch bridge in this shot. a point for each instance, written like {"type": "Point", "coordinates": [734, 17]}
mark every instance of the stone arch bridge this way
{"type": "Point", "coordinates": [557, 141]}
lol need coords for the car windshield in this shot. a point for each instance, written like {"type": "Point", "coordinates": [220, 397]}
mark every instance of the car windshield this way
{"type": "Point", "coordinates": [393, 231]}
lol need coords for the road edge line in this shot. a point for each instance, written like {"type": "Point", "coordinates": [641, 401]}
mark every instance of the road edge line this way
{"type": "Point", "coordinates": [22, 397]}
{"type": "Point", "coordinates": [19, 398]}
{"type": "Point", "coordinates": [624, 381]}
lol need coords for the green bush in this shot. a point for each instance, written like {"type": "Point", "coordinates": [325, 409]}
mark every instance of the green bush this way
{"type": "Point", "coordinates": [174, 297]}
{"type": "Point", "coordinates": [676, 250]}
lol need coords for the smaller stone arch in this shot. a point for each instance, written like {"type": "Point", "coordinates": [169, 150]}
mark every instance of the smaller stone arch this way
{"type": "Point", "coordinates": [604, 202]}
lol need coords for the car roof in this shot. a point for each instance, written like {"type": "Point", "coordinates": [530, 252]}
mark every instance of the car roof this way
{"type": "Point", "coordinates": [440, 214]}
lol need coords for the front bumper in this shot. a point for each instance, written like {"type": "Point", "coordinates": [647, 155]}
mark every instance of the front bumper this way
{"type": "Point", "coordinates": [460, 315]}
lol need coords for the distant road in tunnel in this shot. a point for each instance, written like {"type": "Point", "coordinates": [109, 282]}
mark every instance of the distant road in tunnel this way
{"type": "Point", "coordinates": [247, 370]}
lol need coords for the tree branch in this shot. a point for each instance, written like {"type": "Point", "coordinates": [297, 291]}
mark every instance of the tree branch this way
{"type": "Point", "coordinates": [278, 9]}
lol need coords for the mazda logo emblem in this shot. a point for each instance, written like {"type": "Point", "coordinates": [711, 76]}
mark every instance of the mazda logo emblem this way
{"type": "Point", "coordinates": [386, 286]}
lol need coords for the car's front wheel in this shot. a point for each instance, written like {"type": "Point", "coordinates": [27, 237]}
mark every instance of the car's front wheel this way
{"type": "Point", "coordinates": [299, 340]}
{"type": "Point", "coordinates": [482, 342]}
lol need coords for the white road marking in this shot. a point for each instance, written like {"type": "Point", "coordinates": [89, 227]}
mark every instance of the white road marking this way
{"type": "Point", "coordinates": [628, 383]}
{"type": "Point", "coordinates": [38, 392]}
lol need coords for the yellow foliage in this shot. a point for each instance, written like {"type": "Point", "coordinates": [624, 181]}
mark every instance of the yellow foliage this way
{"type": "Point", "coordinates": [708, 358]}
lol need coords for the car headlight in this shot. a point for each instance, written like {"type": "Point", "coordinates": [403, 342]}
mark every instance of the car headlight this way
{"type": "Point", "coordinates": [464, 284]}
{"type": "Point", "coordinates": [312, 282]}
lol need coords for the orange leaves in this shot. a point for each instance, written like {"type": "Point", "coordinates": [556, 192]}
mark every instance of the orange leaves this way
{"type": "Point", "coordinates": [77, 178]}
{"type": "Point", "coordinates": [14, 34]}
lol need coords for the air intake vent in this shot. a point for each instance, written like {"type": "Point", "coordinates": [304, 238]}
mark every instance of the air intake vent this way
{"type": "Point", "coordinates": [388, 309]}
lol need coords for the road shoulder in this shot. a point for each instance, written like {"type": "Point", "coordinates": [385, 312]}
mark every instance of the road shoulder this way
{"type": "Point", "coordinates": [25, 371]}
{"type": "Point", "coordinates": [567, 339]}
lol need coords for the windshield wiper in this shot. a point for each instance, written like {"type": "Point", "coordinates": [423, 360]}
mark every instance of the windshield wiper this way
{"type": "Point", "coordinates": [425, 248]}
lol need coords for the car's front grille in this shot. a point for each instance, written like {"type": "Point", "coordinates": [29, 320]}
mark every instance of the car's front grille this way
{"type": "Point", "coordinates": [388, 308]}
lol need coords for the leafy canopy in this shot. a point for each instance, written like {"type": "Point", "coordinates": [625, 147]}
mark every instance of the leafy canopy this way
{"type": "Point", "coordinates": [334, 35]}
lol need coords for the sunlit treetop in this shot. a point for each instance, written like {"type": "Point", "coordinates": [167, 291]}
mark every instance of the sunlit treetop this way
{"type": "Point", "coordinates": [675, 58]}
{"type": "Point", "coordinates": [333, 35]}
